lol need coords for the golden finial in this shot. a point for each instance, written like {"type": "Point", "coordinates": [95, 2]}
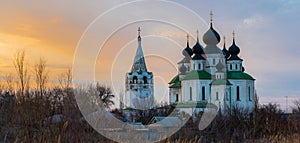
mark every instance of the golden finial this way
{"type": "Point", "coordinates": [224, 39]}
{"type": "Point", "coordinates": [233, 35]}
{"type": "Point", "coordinates": [211, 16]}
{"type": "Point", "coordinates": [187, 38]}
{"type": "Point", "coordinates": [139, 31]}
{"type": "Point", "coordinates": [197, 35]}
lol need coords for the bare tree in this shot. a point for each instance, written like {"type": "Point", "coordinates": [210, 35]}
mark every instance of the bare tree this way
{"type": "Point", "coordinates": [65, 79]}
{"type": "Point", "coordinates": [22, 71]}
{"type": "Point", "coordinates": [41, 76]}
{"type": "Point", "coordinates": [9, 80]}
{"type": "Point", "coordinates": [296, 109]}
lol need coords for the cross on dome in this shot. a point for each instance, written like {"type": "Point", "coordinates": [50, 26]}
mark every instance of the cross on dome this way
{"type": "Point", "coordinates": [211, 16]}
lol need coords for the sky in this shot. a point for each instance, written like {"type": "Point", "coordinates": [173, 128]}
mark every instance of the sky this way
{"type": "Point", "coordinates": [266, 32]}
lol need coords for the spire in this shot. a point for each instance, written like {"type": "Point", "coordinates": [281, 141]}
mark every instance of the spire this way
{"type": "Point", "coordinates": [234, 50]}
{"type": "Point", "coordinates": [139, 64]}
{"type": "Point", "coordinates": [187, 39]}
{"type": "Point", "coordinates": [225, 51]}
{"type": "Point", "coordinates": [197, 36]}
{"type": "Point", "coordinates": [187, 52]}
{"type": "Point", "coordinates": [139, 34]}
{"type": "Point", "coordinates": [233, 37]}
{"type": "Point", "coordinates": [198, 50]}
{"type": "Point", "coordinates": [224, 46]}
{"type": "Point", "coordinates": [211, 18]}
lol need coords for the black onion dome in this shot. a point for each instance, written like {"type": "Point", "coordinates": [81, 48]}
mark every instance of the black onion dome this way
{"type": "Point", "coordinates": [220, 66]}
{"type": "Point", "coordinates": [225, 52]}
{"type": "Point", "coordinates": [211, 37]}
{"type": "Point", "coordinates": [198, 57]}
{"type": "Point", "coordinates": [187, 51]}
{"type": "Point", "coordinates": [182, 69]}
{"type": "Point", "coordinates": [234, 50]}
{"type": "Point", "coordinates": [198, 49]}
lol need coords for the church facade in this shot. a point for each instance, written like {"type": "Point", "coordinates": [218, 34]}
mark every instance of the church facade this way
{"type": "Point", "coordinates": [210, 77]}
{"type": "Point", "coordinates": [139, 92]}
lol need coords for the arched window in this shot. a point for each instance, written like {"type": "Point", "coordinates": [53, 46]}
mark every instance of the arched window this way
{"type": "Point", "coordinates": [135, 80]}
{"type": "Point", "coordinates": [238, 93]}
{"type": "Point", "coordinates": [236, 66]}
{"type": "Point", "coordinates": [230, 67]}
{"type": "Point", "coordinates": [177, 98]}
{"type": "Point", "coordinates": [145, 80]}
{"type": "Point", "coordinates": [217, 95]}
{"type": "Point", "coordinates": [203, 93]}
{"type": "Point", "coordinates": [214, 61]}
{"type": "Point", "coordinates": [199, 66]}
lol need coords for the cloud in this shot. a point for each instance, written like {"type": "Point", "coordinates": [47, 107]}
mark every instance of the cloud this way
{"type": "Point", "coordinates": [254, 22]}
{"type": "Point", "coordinates": [256, 19]}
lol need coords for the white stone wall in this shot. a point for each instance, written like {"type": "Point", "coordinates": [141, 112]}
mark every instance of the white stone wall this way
{"type": "Point", "coordinates": [173, 92]}
{"type": "Point", "coordinates": [234, 65]}
{"type": "Point", "coordinates": [244, 101]}
{"type": "Point", "coordinates": [196, 86]}
{"type": "Point", "coordinates": [212, 60]}
{"type": "Point", "coordinates": [134, 90]}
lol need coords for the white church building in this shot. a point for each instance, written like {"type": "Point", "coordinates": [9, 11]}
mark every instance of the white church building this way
{"type": "Point", "coordinates": [210, 77]}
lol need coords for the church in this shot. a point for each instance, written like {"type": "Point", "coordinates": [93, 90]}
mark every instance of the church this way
{"type": "Point", "coordinates": [209, 77]}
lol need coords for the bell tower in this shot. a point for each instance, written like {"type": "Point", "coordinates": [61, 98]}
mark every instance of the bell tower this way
{"type": "Point", "coordinates": [139, 82]}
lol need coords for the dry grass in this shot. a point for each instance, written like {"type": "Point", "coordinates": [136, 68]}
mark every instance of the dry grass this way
{"type": "Point", "coordinates": [28, 119]}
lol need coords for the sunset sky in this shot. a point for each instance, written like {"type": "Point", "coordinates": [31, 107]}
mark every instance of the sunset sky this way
{"type": "Point", "coordinates": [267, 34]}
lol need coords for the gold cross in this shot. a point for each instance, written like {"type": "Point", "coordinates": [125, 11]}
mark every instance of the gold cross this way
{"type": "Point", "coordinates": [197, 35]}
{"type": "Point", "coordinates": [211, 16]}
{"type": "Point", "coordinates": [139, 30]}
{"type": "Point", "coordinates": [233, 34]}
{"type": "Point", "coordinates": [188, 37]}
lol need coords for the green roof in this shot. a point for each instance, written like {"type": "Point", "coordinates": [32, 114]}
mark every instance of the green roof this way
{"type": "Point", "coordinates": [238, 75]}
{"type": "Point", "coordinates": [197, 74]}
{"type": "Point", "coordinates": [175, 79]}
{"type": "Point", "coordinates": [199, 104]}
{"type": "Point", "coordinates": [175, 85]}
{"type": "Point", "coordinates": [220, 82]}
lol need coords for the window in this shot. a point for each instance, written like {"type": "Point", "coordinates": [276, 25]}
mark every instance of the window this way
{"type": "Point", "coordinates": [238, 93]}
{"type": "Point", "coordinates": [227, 95]}
{"type": "Point", "coordinates": [236, 67]}
{"type": "Point", "coordinates": [230, 67]}
{"type": "Point", "coordinates": [203, 93]}
{"type": "Point", "coordinates": [214, 61]}
{"type": "Point", "coordinates": [249, 93]}
{"type": "Point", "coordinates": [145, 80]}
{"type": "Point", "coordinates": [217, 95]}
{"type": "Point", "coordinates": [191, 96]}
{"type": "Point", "coordinates": [194, 66]}
{"type": "Point", "coordinates": [199, 66]}
{"type": "Point", "coordinates": [135, 80]}
{"type": "Point", "coordinates": [177, 98]}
